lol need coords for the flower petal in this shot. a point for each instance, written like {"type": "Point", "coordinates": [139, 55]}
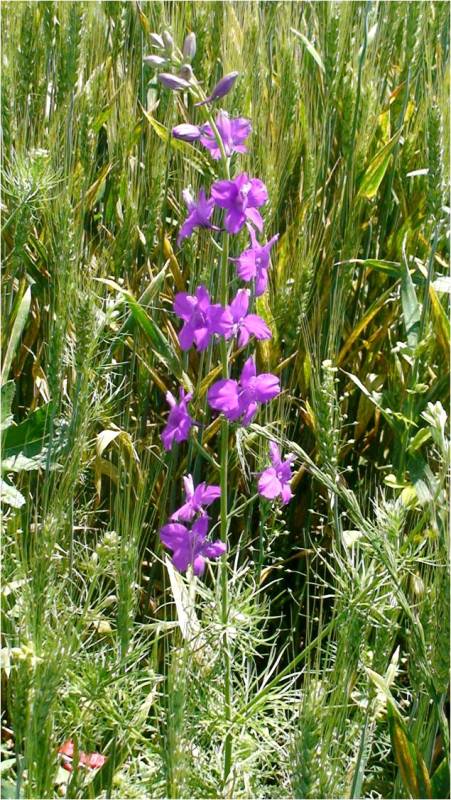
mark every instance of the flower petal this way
{"type": "Point", "coordinates": [199, 565]}
{"type": "Point", "coordinates": [248, 372]}
{"type": "Point", "coordinates": [200, 527]}
{"type": "Point", "coordinates": [286, 493]}
{"type": "Point", "coordinates": [173, 534]}
{"type": "Point", "coordinates": [256, 326]}
{"type": "Point", "coordinates": [186, 336]}
{"type": "Point", "coordinates": [250, 413]}
{"type": "Point", "coordinates": [268, 484]}
{"type": "Point", "coordinates": [214, 549]}
{"type": "Point", "coordinates": [246, 267]}
{"type": "Point", "coordinates": [235, 219]}
{"type": "Point", "coordinates": [258, 194]}
{"type": "Point", "coordinates": [255, 217]}
{"type": "Point", "coordinates": [274, 454]}
{"type": "Point", "coordinates": [239, 304]}
{"type": "Point", "coordinates": [209, 494]}
{"type": "Point", "coordinates": [223, 396]}
{"type": "Point", "coordinates": [184, 305]}
{"type": "Point", "coordinates": [188, 484]}
{"type": "Point", "coordinates": [267, 386]}
{"type": "Point", "coordinates": [224, 193]}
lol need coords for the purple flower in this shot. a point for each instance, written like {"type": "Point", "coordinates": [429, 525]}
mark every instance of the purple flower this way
{"type": "Point", "coordinates": [222, 88]}
{"type": "Point", "coordinates": [275, 480]}
{"type": "Point", "coordinates": [254, 262]}
{"type": "Point", "coordinates": [186, 132]}
{"type": "Point", "coordinates": [241, 197]}
{"type": "Point", "coordinates": [233, 133]}
{"type": "Point", "coordinates": [172, 82]}
{"type": "Point", "coordinates": [197, 498]}
{"type": "Point", "coordinates": [202, 318]}
{"type": "Point", "coordinates": [241, 398]}
{"type": "Point", "coordinates": [179, 421]}
{"type": "Point", "coordinates": [199, 214]}
{"type": "Point", "coordinates": [190, 546]}
{"type": "Point", "coordinates": [236, 321]}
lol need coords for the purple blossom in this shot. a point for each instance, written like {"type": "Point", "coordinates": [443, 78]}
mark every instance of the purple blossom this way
{"type": "Point", "coordinates": [179, 421]}
{"type": "Point", "coordinates": [233, 133]}
{"type": "Point", "coordinates": [241, 198]}
{"type": "Point", "coordinates": [186, 132]}
{"type": "Point", "coordinates": [190, 546]}
{"type": "Point", "coordinates": [201, 317]}
{"type": "Point", "coordinates": [236, 321]}
{"type": "Point", "coordinates": [253, 263]}
{"type": "Point", "coordinates": [241, 398]}
{"type": "Point", "coordinates": [199, 214]}
{"type": "Point", "coordinates": [222, 88]}
{"type": "Point", "coordinates": [275, 481]}
{"type": "Point", "coordinates": [197, 498]}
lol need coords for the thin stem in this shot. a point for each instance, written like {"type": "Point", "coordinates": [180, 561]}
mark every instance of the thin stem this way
{"type": "Point", "coordinates": [224, 463]}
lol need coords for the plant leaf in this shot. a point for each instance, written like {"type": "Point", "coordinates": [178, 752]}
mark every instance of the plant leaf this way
{"type": "Point", "coordinates": [16, 333]}
{"type": "Point", "coordinates": [29, 436]}
{"type": "Point", "coordinates": [310, 49]}
{"type": "Point", "coordinates": [376, 169]}
{"type": "Point", "coordinates": [7, 391]}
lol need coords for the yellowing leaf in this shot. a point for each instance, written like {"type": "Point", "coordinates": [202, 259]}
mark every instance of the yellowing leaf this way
{"type": "Point", "coordinates": [376, 170]}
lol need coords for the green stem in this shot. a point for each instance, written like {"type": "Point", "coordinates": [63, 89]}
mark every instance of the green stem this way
{"type": "Point", "coordinates": [224, 459]}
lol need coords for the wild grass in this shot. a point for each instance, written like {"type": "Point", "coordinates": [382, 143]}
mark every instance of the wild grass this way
{"type": "Point", "coordinates": [338, 623]}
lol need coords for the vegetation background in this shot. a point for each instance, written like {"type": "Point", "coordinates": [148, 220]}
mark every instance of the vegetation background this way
{"type": "Point", "coordinates": [339, 604]}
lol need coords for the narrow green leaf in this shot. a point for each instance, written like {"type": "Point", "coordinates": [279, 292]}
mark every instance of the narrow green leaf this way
{"type": "Point", "coordinates": [16, 333]}
{"type": "Point", "coordinates": [440, 780]}
{"type": "Point", "coordinates": [388, 416]}
{"type": "Point", "coordinates": [310, 49]}
{"type": "Point", "coordinates": [387, 267]}
{"type": "Point", "coordinates": [161, 347]}
{"type": "Point", "coordinates": [410, 306]}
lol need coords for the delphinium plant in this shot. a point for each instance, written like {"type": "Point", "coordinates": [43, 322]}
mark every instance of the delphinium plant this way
{"type": "Point", "coordinates": [231, 205]}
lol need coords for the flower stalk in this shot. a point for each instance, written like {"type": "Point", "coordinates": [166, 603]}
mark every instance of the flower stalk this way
{"type": "Point", "coordinates": [237, 400]}
{"type": "Point", "coordinates": [223, 481]}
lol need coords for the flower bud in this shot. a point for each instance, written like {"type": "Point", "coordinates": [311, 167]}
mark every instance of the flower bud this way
{"type": "Point", "coordinates": [168, 42]}
{"type": "Point", "coordinates": [156, 40]}
{"type": "Point", "coordinates": [189, 46]}
{"type": "Point", "coordinates": [222, 88]}
{"type": "Point", "coordinates": [172, 82]}
{"type": "Point", "coordinates": [185, 72]}
{"type": "Point", "coordinates": [154, 61]}
{"type": "Point", "coordinates": [187, 133]}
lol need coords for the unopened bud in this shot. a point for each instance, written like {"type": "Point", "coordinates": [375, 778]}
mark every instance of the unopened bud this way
{"type": "Point", "coordinates": [222, 88]}
{"type": "Point", "coordinates": [156, 40]}
{"type": "Point", "coordinates": [154, 61]}
{"type": "Point", "coordinates": [172, 82]}
{"type": "Point", "coordinates": [187, 133]}
{"type": "Point", "coordinates": [185, 72]}
{"type": "Point", "coordinates": [189, 46]}
{"type": "Point", "coordinates": [168, 42]}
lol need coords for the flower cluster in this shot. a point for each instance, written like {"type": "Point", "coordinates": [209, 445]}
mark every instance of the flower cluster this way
{"type": "Point", "coordinates": [189, 545]}
{"type": "Point", "coordinates": [233, 205]}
